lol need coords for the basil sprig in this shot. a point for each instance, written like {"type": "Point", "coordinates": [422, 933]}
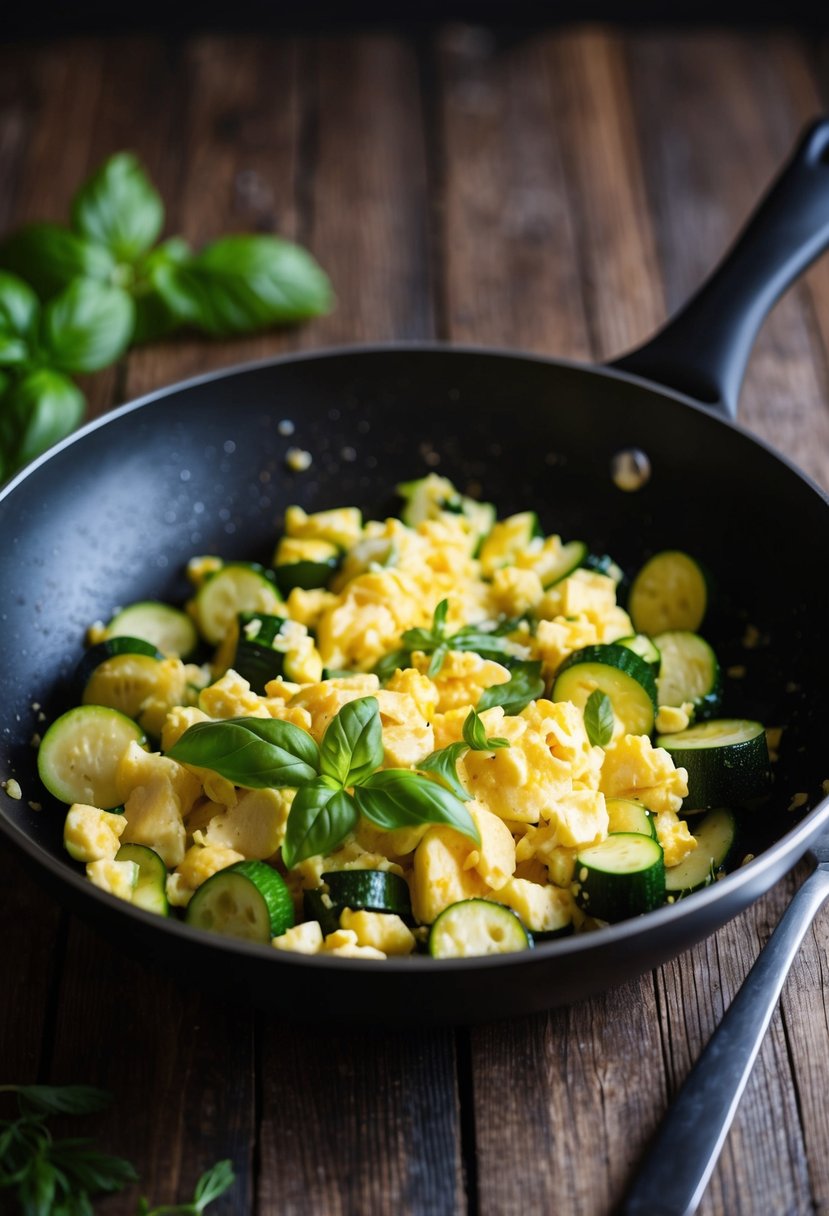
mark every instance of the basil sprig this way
{"type": "Point", "coordinates": [43, 1172]}
{"type": "Point", "coordinates": [443, 763]}
{"type": "Point", "coordinates": [598, 718]}
{"type": "Point", "coordinates": [434, 641]}
{"type": "Point", "coordinates": [73, 297]}
{"type": "Point", "coordinates": [335, 782]}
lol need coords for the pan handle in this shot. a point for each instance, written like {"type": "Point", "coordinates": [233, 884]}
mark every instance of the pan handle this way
{"type": "Point", "coordinates": [704, 348]}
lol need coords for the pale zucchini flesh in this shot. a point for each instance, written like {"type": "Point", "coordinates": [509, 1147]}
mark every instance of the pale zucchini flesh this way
{"type": "Point", "coordinates": [234, 588]}
{"type": "Point", "coordinates": [248, 900]}
{"type": "Point", "coordinates": [715, 839]}
{"type": "Point", "coordinates": [669, 592]}
{"type": "Point", "coordinates": [171, 631]}
{"type": "Point", "coordinates": [617, 672]}
{"type": "Point", "coordinates": [623, 876]}
{"type": "Point", "coordinates": [689, 672]}
{"type": "Point", "coordinates": [80, 752]}
{"type": "Point", "coordinates": [476, 927]}
{"type": "Point", "coordinates": [727, 761]}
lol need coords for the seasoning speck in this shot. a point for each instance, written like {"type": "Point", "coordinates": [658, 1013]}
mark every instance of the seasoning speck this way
{"type": "Point", "coordinates": [797, 802]}
{"type": "Point", "coordinates": [286, 427]}
{"type": "Point", "coordinates": [35, 806]}
{"type": "Point", "coordinates": [298, 460]}
{"type": "Point", "coordinates": [12, 788]}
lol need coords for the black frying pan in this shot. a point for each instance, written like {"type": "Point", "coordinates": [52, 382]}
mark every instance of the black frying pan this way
{"type": "Point", "coordinates": [113, 514]}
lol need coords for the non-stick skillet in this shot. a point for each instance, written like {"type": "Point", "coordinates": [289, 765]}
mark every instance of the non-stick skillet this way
{"type": "Point", "coordinates": [113, 514]}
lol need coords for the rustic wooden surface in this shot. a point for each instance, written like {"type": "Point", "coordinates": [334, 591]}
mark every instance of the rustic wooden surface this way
{"type": "Point", "coordinates": [559, 192]}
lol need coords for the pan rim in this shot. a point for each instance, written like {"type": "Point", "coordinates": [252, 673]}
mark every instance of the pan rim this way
{"type": "Point", "coordinates": [790, 847]}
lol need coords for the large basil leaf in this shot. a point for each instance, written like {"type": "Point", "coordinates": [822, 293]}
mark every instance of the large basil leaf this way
{"type": "Point", "coordinates": [243, 283]}
{"type": "Point", "coordinates": [352, 746]}
{"type": "Point", "coordinates": [87, 326]}
{"type": "Point", "coordinates": [19, 306]}
{"type": "Point", "coordinates": [398, 798]}
{"type": "Point", "coordinates": [256, 753]}
{"type": "Point", "coordinates": [49, 257]}
{"type": "Point", "coordinates": [524, 685]}
{"type": "Point", "coordinates": [321, 816]}
{"type": "Point", "coordinates": [35, 413]}
{"type": "Point", "coordinates": [119, 207]}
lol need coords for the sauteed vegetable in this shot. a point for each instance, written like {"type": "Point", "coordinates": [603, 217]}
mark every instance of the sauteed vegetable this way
{"type": "Point", "coordinates": [439, 731]}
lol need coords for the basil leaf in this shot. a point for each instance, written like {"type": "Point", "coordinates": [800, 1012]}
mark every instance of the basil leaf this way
{"type": "Point", "coordinates": [119, 207]}
{"type": "Point", "coordinates": [474, 732]}
{"type": "Point", "coordinates": [153, 316]}
{"type": "Point", "coordinates": [256, 753]}
{"type": "Point", "coordinates": [89, 1169]}
{"type": "Point", "coordinates": [37, 1190]}
{"type": "Point", "coordinates": [398, 798]}
{"type": "Point", "coordinates": [244, 283]}
{"type": "Point", "coordinates": [439, 618]}
{"type": "Point", "coordinates": [352, 746]}
{"type": "Point", "coordinates": [87, 326]}
{"type": "Point", "coordinates": [19, 306]}
{"type": "Point", "coordinates": [13, 351]}
{"type": "Point", "coordinates": [598, 718]}
{"type": "Point", "coordinates": [444, 764]}
{"type": "Point", "coordinates": [487, 645]}
{"type": "Point", "coordinates": [321, 816]}
{"type": "Point", "coordinates": [524, 685]}
{"type": "Point", "coordinates": [49, 257]}
{"type": "Point", "coordinates": [388, 665]}
{"type": "Point", "coordinates": [436, 662]}
{"type": "Point", "coordinates": [61, 1099]}
{"type": "Point", "coordinates": [35, 413]}
{"type": "Point", "coordinates": [213, 1183]}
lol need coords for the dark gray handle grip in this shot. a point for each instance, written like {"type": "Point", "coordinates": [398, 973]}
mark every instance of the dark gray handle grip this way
{"type": "Point", "coordinates": [703, 350]}
{"type": "Point", "coordinates": [685, 1150]}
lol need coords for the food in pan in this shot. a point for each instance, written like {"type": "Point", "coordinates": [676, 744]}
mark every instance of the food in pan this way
{"type": "Point", "coordinates": [439, 732]}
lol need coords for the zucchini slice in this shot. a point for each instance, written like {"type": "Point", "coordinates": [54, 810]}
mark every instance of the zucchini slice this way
{"type": "Point", "coordinates": [507, 539]}
{"type": "Point", "coordinates": [80, 753]}
{"type": "Point", "coordinates": [625, 815]}
{"type": "Point", "coordinates": [372, 890]}
{"type": "Point", "coordinates": [110, 649]}
{"type": "Point", "coordinates": [715, 838]}
{"type": "Point", "coordinates": [150, 891]}
{"type": "Point", "coordinates": [318, 906]}
{"type": "Point", "coordinates": [256, 660]}
{"type": "Point", "coordinates": [623, 876]}
{"type": "Point", "coordinates": [428, 497]}
{"type": "Point", "coordinates": [474, 927]}
{"type": "Point", "coordinates": [168, 629]}
{"type": "Point", "coordinates": [619, 673]}
{"type": "Point", "coordinates": [307, 564]}
{"type": "Point", "coordinates": [644, 646]}
{"type": "Point", "coordinates": [727, 761]}
{"type": "Point", "coordinates": [669, 592]}
{"type": "Point", "coordinates": [603, 563]}
{"type": "Point", "coordinates": [370, 554]}
{"type": "Point", "coordinates": [123, 682]}
{"type": "Point", "coordinates": [689, 672]}
{"type": "Point", "coordinates": [248, 900]}
{"type": "Point", "coordinates": [568, 559]}
{"type": "Point", "coordinates": [236, 587]}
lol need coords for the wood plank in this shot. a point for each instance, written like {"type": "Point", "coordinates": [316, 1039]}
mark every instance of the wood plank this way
{"type": "Point", "coordinates": [565, 1102]}
{"type": "Point", "coordinates": [228, 163]}
{"type": "Point", "coordinates": [508, 236]}
{"type": "Point", "coordinates": [180, 1067]}
{"type": "Point", "coordinates": [359, 1122]}
{"type": "Point", "coordinates": [369, 217]}
{"type": "Point", "coordinates": [716, 118]}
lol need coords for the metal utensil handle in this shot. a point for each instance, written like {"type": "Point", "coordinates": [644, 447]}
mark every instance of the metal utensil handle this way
{"type": "Point", "coordinates": [683, 1154]}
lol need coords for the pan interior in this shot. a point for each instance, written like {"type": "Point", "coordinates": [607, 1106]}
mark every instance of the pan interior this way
{"type": "Point", "coordinates": [114, 516]}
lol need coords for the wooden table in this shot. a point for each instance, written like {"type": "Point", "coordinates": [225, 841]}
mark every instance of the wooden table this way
{"type": "Point", "coordinates": [558, 192]}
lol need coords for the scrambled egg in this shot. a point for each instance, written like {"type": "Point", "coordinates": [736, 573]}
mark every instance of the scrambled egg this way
{"type": "Point", "coordinates": [535, 802]}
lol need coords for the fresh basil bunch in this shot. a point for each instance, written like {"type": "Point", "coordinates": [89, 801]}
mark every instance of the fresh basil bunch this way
{"type": "Point", "coordinates": [44, 1174]}
{"type": "Point", "coordinates": [335, 782]}
{"type": "Point", "coordinates": [105, 282]}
